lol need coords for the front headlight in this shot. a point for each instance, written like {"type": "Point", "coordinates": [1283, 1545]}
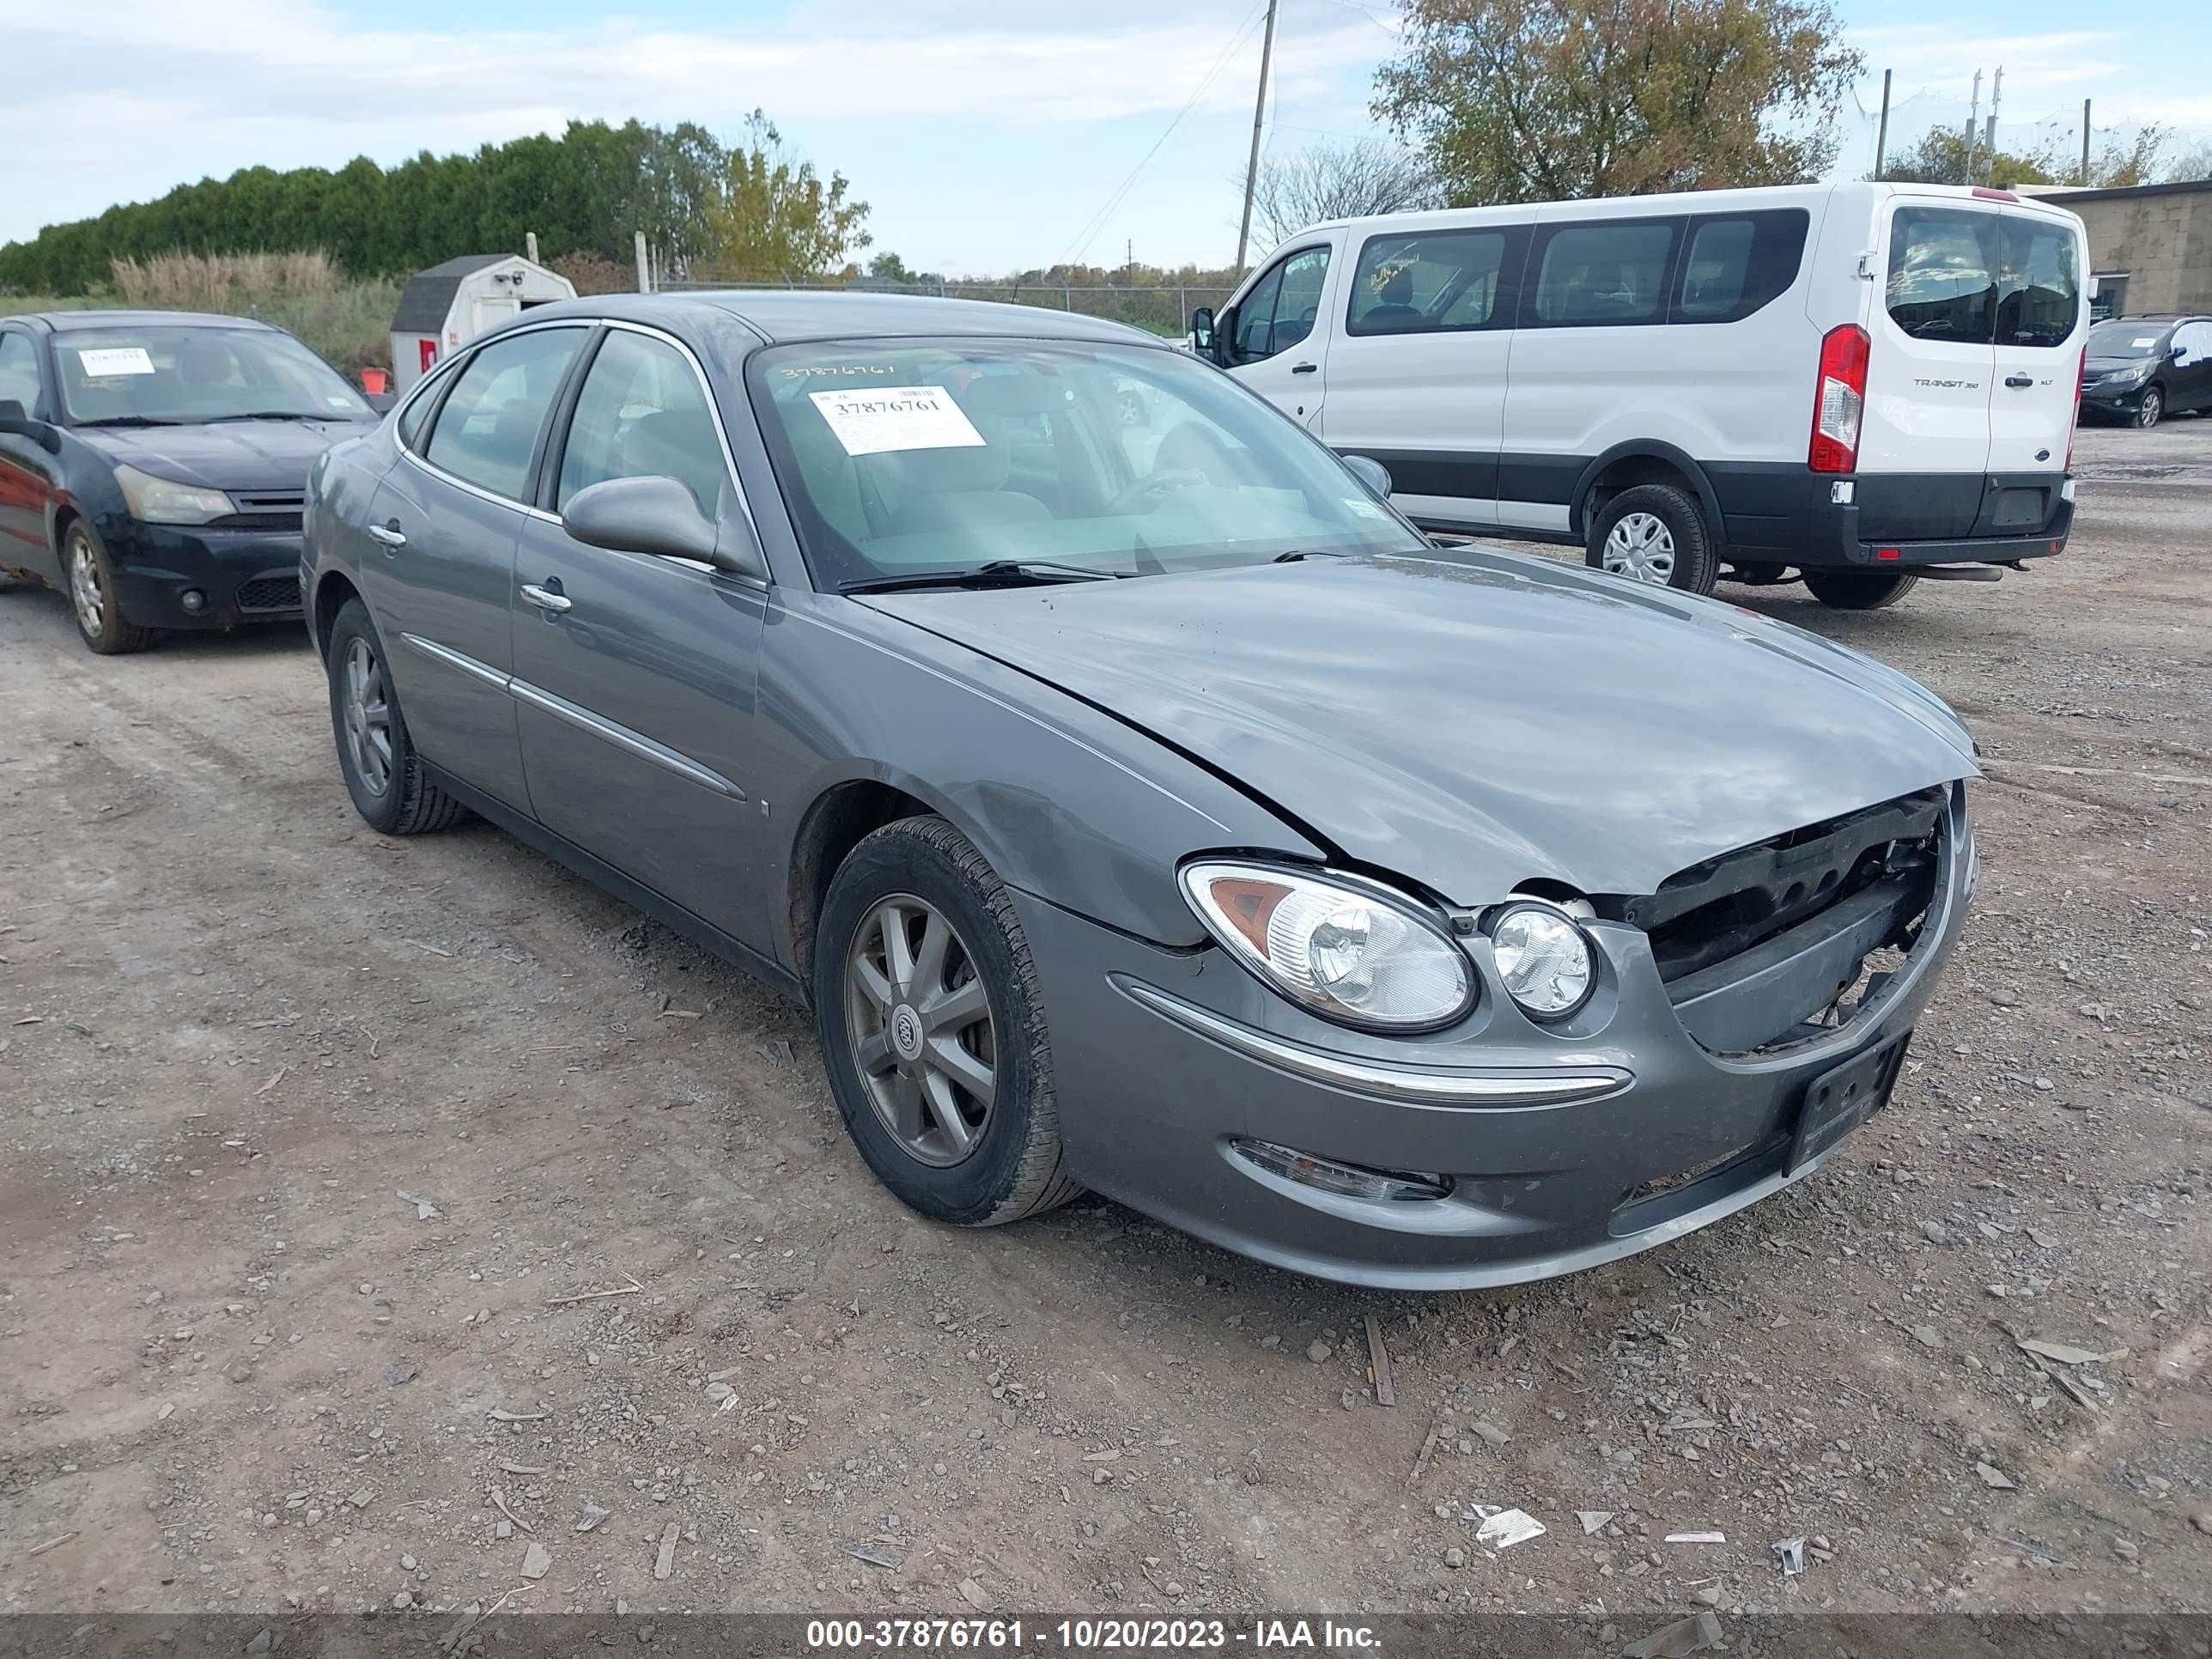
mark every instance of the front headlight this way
{"type": "Point", "coordinates": [1350, 951]}
{"type": "Point", "coordinates": [164, 501]}
{"type": "Point", "coordinates": [1543, 957]}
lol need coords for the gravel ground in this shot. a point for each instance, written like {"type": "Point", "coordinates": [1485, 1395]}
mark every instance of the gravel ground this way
{"type": "Point", "coordinates": [404, 1224]}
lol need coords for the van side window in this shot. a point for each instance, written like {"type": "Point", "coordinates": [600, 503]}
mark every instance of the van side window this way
{"type": "Point", "coordinates": [1594, 274]}
{"type": "Point", "coordinates": [1281, 311]}
{"type": "Point", "coordinates": [2039, 286]}
{"type": "Point", "coordinates": [1428, 281]}
{"type": "Point", "coordinates": [1738, 263]}
{"type": "Point", "coordinates": [1942, 284]}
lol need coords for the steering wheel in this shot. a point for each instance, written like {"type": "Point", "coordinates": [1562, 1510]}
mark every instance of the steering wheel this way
{"type": "Point", "coordinates": [1156, 483]}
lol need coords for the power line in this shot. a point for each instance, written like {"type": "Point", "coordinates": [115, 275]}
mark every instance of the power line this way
{"type": "Point", "coordinates": [1097, 221]}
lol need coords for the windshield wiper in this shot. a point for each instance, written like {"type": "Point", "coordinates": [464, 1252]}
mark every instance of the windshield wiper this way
{"type": "Point", "coordinates": [999, 573]}
{"type": "Point", "coordinates": [1299, 553]}
{"type": "Point", "coordinates": [266, 415]}
{"type": "Point", "coordinates": [131, 420]}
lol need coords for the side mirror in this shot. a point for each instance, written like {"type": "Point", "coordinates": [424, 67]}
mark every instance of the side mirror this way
{"type": "Point", "coordinates": [1373, 476]}
{"type": "Point", "coordinates": [656, 515]}
{"type": "Point", "coordinates": [17, 424]}
{"type": "Point", "coordinates": [1201, 330]}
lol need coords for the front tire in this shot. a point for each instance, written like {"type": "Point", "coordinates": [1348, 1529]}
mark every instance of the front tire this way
{"type": "Point", "coordinates": [2151, 409]}
{"type": "Point", "coordinates": [88, 578]}
{"type": "Point", "coordinates": [382, 772]}
{"type": "Point", "coordinates": [1850, 590]}
{"type": "Point", "coordinates": [932, 1029]}
{"type": "Point", "coordinates": [1656, 534]}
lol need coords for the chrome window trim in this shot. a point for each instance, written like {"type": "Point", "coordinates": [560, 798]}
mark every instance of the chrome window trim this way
{"type": "Point", "coordinates": [1418, 1086]}
{"type": "Point", "coordinates": [583, 719]}
{"type": "Point", "coordinates": [451, 367]}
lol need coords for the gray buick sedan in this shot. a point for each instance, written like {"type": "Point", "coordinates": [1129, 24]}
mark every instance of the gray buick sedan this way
{"type": "Point", "coordinates": [1141, 804]}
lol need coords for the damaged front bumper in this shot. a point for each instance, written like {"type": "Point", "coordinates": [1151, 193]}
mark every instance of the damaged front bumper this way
{"type": "Point", "coordinates": [1493, 1153]}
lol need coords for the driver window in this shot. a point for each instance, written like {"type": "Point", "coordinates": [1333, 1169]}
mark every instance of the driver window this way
{"type": "Point", "coordinates": [1281, 310]}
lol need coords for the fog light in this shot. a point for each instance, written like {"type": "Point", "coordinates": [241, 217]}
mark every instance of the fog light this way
{"type": "Point", "coordinates": [1349, 1179]}
{"type": "Point", "coordinates": [195, 601]}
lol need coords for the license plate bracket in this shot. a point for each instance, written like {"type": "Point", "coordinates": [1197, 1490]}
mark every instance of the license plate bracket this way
{"type": "Point", "coordinates": [1838, 1101]}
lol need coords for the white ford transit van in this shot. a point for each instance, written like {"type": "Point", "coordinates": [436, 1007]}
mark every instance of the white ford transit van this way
{"type": "Point", "coordinates": [1861, 383]}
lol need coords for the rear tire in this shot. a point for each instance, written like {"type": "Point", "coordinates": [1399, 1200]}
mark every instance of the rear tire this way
{"type": "Point", "coordinates": [1850, 590]}
{"type": "Point", "coordinates": [914, 923]}
{"type": "Point", "coordinates": [2151, 409]}
{"type": "Point", "coordinates": [88, 582]}
{"type": "Point", "coordinates": [383, 774]}
{"type": "Point", "coordinates": [1655, 534]}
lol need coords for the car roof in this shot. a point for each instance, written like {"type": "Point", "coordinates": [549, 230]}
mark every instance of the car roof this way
{"type": "Point", "coordinates": [778, 316]}
{"type": "Point", "coordinates": [63, 322]}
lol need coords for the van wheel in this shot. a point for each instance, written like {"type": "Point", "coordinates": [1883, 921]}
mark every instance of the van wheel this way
{"type": "Point", "coordinates": [1655, 534]}
{"type": "Point", "coordinates": [1847, 590]}
{"type": "Point", "coordinates": [2151, 409]}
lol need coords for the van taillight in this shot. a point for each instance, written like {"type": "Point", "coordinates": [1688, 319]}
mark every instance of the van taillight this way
{"type": "Point", "coordinates": [1840, 401]}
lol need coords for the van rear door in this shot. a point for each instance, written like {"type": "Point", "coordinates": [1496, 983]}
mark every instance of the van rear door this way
{"type": "Point", "coordinates": [1925, 433]}
{"type": "Point", "coordinates": [2038, 350]}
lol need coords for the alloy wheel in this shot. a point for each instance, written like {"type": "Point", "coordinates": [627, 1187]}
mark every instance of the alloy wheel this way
{"type": "Point", "coordinates": [1641, 547]}
{"type": "Point", "coordinates": [919, 1021]}
{"type": "Point", "coordinates": [85, 592]}
{"type": "Point", "coordinates": [368, 716]}
{"type": "Point", "coordinates": [2152, 406]}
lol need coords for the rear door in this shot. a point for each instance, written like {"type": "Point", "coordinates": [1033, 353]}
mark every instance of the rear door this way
{"type": "Point", "coordinates": [2040, 329]}
{"type": "Point", "coordinates": [1929, 369]}
{"type": "Point", "coordinates": [2190, 357]}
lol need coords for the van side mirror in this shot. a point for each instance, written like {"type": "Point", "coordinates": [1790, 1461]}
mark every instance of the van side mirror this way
{"type": "Point", "coordinates": [1201, 330]}
{"type": "Point", "coordinates": [17, 424]}
{"type": "Point", "coordinates": [656, 515]}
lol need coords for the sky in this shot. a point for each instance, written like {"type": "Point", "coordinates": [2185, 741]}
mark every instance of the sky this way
{"type": "Point", "coordinates": [987, 134]}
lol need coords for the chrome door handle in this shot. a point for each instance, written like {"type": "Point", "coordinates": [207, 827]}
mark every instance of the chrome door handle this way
{"type": "Point", "coordinates": [388, 535]}
{"type": "Point", "coordinates": [546, 600]}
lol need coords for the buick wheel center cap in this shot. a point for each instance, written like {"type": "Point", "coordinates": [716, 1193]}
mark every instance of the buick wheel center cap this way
{"type": "Point", "coordinates": [906, 1031]}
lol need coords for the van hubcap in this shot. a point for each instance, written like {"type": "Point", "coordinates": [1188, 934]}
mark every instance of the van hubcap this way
{"type": "Point", "coordinates": [368, 715]}
{"type": "Point", "coordinates": [1641, 547]}
{"type": "Point", "coordinates": [920, 1023]}
{"type": "Point", "coordinates": [84, 588]}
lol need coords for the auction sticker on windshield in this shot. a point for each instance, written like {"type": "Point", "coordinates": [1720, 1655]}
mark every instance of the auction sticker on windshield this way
{"type": "Point", "coordinates": [115, 360]}
{"type": "Point", "coordinates": [870, 423]}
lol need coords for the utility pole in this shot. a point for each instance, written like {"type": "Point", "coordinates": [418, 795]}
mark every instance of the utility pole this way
{"type": "Point", "coordinates": [1973, 120]}
{"type": "Point", "coordinates": [1997, 92]}
{"type": "Point", "coordinates": [1258, 113]}
{"type": "Point", "coordinates": [1881, 133]}
{"type": "Point", "coordinates": [2085, 144]}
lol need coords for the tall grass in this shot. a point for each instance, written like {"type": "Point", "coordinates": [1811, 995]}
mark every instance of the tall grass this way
{"type": "Point", "coordinates": [347, 323]}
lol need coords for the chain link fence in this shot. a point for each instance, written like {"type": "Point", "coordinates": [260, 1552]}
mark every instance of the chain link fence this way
{"type": "Point", "coordinates": [1164, 311]}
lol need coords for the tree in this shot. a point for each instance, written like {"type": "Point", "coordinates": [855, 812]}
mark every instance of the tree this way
{"type": "Point", "coordinates": [1330, 181]}
{"type": "Point", "coordinates": [2190, 166]}
{"type": "Point", "coordinates": [1516, 101]}
{"type": "Point", "coordinates": [774, 218]}
{"type": "Point", "coordinates": [1941, 158]}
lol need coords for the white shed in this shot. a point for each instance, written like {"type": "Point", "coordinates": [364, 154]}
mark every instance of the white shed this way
{"type": "Point", "coordinates": [447, 305]}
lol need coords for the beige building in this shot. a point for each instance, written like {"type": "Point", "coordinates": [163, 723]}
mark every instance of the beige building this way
{"type": "Point", "coordinates": [2150, 247]}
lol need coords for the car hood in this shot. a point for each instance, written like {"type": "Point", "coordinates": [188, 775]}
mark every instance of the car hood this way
{"type": "Point", "coordinates": [1474, 726]}
{"type": "Point", "coordinates": [239, 455]}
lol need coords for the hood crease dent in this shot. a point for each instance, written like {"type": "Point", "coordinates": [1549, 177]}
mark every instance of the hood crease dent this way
{"type": "Point", "coordinates": [1476, 725]}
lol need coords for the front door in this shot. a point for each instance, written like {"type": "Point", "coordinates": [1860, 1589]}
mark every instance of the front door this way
{"type": "Point", "coordinates": [1278, 339]}
{"type": "Point", "coordinates": [635, 675]}
{"type": "Point", "coordinates": [2190, 357]}
{"type": "Point", "coordinates": [28, 475]}
{"type": "Point", "coordinates": [445, 520]}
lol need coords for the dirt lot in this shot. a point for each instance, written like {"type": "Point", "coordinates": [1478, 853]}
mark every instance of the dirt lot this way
{"type": "Point", "coordinates": [305, 1133]}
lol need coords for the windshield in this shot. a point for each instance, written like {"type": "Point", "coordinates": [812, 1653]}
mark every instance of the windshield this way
{"type": "Point", "coordinates": [905, 457]}
{"type": "Point", "coordinates": [2125, 339]}
{"type": "Point", "coordinates": [186, 376]}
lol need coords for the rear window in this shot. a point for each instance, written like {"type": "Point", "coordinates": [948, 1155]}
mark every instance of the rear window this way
{"type": "Point", "coordinates": [1942, 281]}
{"type": "Point", "coordinates": [1600, 273]}
{"type": "Point", "coordinates": [1431, 282]}
{"type": "Point", "coordinates": [2040, 299]}
{"type": "Point", "coordinates": [1736, 264]}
